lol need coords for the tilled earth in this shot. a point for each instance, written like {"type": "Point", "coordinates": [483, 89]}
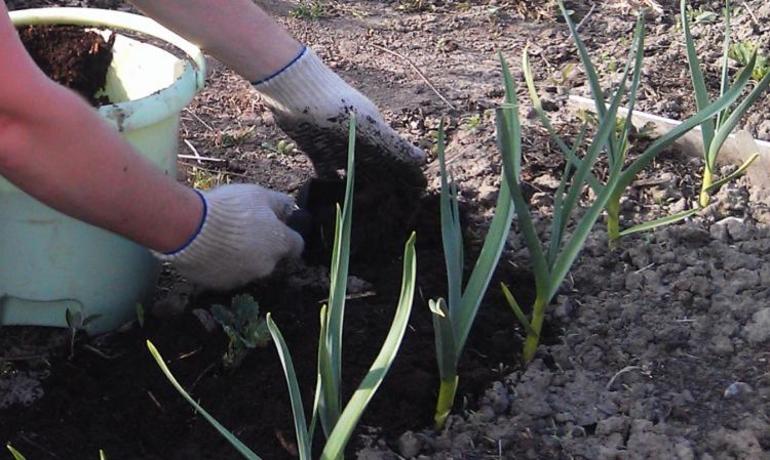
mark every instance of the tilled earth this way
{"type": "Point", "coordinates": [657, 349]}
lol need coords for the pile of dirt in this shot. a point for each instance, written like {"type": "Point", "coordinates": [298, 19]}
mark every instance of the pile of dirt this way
{"type": "Point", "coordinates": [71, 56]}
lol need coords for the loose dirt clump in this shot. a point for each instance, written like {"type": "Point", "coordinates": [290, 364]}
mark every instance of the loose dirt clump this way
{"type": "Point", "coordinates": [71, 56]}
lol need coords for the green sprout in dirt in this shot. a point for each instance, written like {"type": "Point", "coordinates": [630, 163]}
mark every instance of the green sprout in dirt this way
{"type": "Point", "coordinates": [235, 136]}
{"type": "Point", "coordinates": [552, 262]}
{"type": "Point", "coordinates": [244, 327]}
{"type": "Point", "coordinates": [282, 147]}
{"type": "Point", "coordinates": [473, 122]}
{"type": "Point", "coordinates": [741, 53]}
{"type": "Point", "coordinates": [76, 323]}
{"type": "Point", "coordinates": [337, 422]}
{"type": "Point", "coordinates": [701, 15]}
{"type": "Point", "coordinates": [310, 10]}
{"type": "Point", "coordinates": [206, 179]}
{"type": "Point", "coordinates": [453, 318]}
{"type": "Point", "coordinates": [715, 132]}
{"type": "Point", "coordinates": [619, 145]}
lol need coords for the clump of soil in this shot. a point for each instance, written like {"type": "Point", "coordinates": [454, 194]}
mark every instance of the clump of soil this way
{"type": "Point", "coordinates": [71, 56]}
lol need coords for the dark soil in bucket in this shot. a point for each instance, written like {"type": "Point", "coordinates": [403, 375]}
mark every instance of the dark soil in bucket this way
{"type": "Point", "coordinates": [71, 56]}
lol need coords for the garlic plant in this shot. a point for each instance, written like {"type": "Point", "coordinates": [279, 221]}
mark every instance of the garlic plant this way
{"type": "Point", "coordinates": [453, 317]}
{"type": "Point", "coordinates": [715, 132]}
{"type": "Point", "coordinates": [551, 263]}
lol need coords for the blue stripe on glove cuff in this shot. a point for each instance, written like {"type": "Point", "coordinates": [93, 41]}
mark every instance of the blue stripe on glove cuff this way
{"type": "Point", "coordinates": [282, 69]}
{"type": "Point", "coordinates": [197, 230]}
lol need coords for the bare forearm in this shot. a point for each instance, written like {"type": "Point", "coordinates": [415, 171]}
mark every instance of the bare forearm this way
{"type": "Point", "coordinates": [69, 158]}
{"type": "Point", "coordinates": [237, 32]}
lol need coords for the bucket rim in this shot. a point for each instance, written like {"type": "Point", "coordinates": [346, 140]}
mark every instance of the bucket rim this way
{"type": "Point", "coordinates": [138, 113]}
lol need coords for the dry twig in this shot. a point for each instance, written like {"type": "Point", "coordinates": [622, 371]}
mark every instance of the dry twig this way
{"type": "Point", "coordinates": [419, 72]}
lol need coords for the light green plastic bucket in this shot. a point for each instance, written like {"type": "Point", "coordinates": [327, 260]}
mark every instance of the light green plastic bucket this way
{"type": "Point", "coordinates": [51, 263]}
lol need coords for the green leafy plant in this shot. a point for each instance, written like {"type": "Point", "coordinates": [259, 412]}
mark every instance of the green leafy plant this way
{"type": "Point", "coordinates": [741, 53]}
{"type": "Point", "coordinates": [282, 147]}
{"type": "Point", "coordinates": [309, 10]}
{"type": "Point", "coordinates": [701, 15]}
{"type": "Point", "coordinates": [473, 122]}
{"type": "Point", "coordinates": [619, 145]}
{"type": "Point", "coordinates": [244, 327]}
{"type": "Point", "coordinates": [337, 422]}
{"type": "Point", "coordinates": [715, 132]}
{"type": "Point", "coordinates": [565, 74]}
{"type": "Point", "coordinates": [453, 317]}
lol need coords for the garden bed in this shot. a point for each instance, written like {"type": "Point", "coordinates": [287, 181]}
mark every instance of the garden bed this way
{"type": "Point", "coordinates": [658, 349]}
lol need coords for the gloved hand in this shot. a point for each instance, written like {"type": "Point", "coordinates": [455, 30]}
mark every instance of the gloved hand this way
{"type": "Point", "coordinates": [312, 105]}
{"type": "Point", "coordinates": [241, 238]}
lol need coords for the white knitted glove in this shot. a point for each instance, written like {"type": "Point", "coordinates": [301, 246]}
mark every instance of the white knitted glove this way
{"type": "Point", "coordinates": [241, 238]}
{"type": "Point", "coordinates": [312, 105]}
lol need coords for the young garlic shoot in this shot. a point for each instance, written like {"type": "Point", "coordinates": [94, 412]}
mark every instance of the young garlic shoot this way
{"type": "Point", "coordinates": [551, 263]}
{"type": "Point", "coordinates": [453, 317]}
{"type": "Point", "coordinates": [338, 424]}
{"type": "Point", "coordinates": [715, 132]}
{"type": "Point", "coordinates": [345, 424]}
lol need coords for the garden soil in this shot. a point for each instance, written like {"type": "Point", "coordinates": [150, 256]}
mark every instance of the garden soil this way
{"type": "Point", "coordinates": [657, 349]}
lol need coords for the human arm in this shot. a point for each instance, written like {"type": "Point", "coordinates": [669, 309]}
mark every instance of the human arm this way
{"type": "Point", "coordinates": [310, 102]}
{"type": "Point", "coordinates": [56, 148]}
{"type": "Point", "coordinates": [97, 177]}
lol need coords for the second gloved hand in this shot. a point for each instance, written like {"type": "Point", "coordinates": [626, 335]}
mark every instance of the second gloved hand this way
{"type": "Point", "coordinates": [242, 237]}
{"type": "Point", "coordinates": [312, 104]}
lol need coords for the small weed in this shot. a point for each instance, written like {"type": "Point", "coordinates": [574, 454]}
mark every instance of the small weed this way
{"type": "Point", "coordinates": [473, 122]}
{"type": "Point", "coordinates": [608, 61]}
{"type": "Point", "coordinates": [234, 137]}
{"type": "Point", "coordinates": [243, 326]}
{"type": "Point", "coordinates": [309, 10]}
{"type": "Point", "coordinates": [205, 179]}
{"type": "Point", "coordinates": [742, 52]}
{"type": "Point", "coordinates": [282, 147]}
{"type": "Point", "coordinates": [564, 75]}
{"type": "Point", "coordinates": [76, 322]}
{"type": "Point", "coordinates": [701, 16]}
{"type": "Point", "coordinates": [589, 118]}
